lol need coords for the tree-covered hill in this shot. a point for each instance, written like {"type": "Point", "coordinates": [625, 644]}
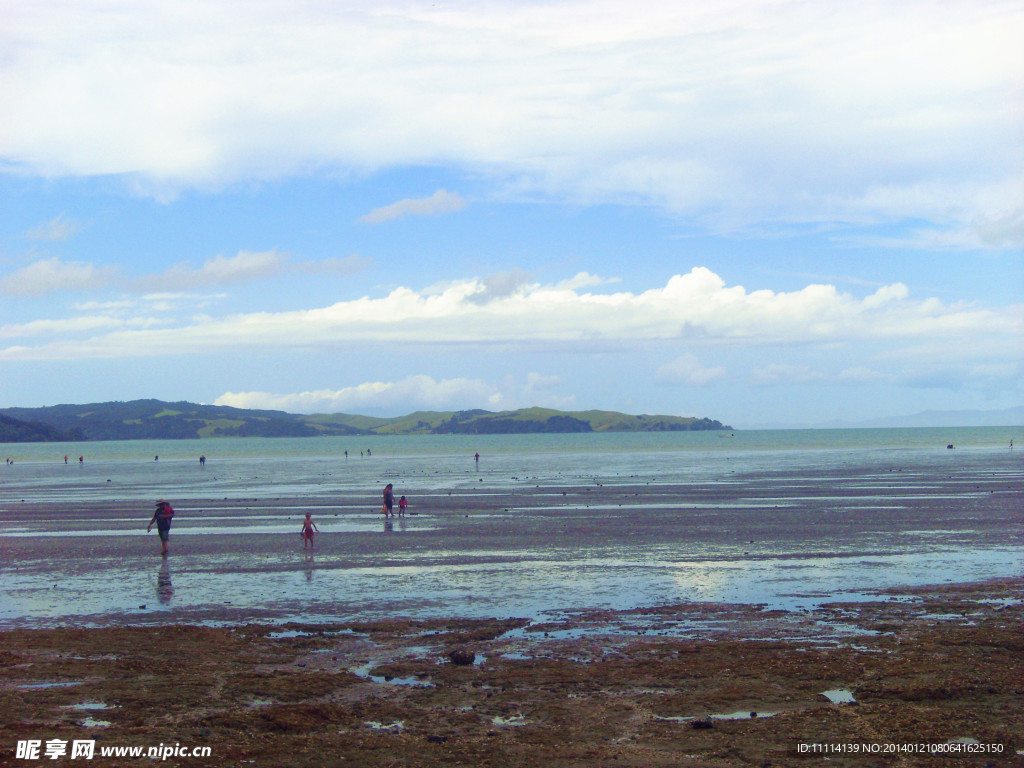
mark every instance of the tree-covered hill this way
{"type": "Point", "coordinates": [155, 419]}
{"type": "Point", "coordinates": [17, 431]}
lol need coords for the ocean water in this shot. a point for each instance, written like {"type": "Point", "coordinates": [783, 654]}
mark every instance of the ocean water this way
{"type": "Point", "coordinates": [288, 465]}
{"type": "Point", "coordinates": [543, 523]}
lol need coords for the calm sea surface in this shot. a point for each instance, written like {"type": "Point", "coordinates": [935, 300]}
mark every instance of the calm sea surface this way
{"type": "Point", "coordinates": [289, 465]}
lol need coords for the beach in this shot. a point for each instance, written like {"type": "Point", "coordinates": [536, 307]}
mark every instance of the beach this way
{"type": "Point", "coordinates": [604, 607]}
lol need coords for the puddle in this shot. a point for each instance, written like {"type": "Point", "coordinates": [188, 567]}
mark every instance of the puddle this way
{"type": "Point", "coordinates": [965, 740]}
{"type": "Point", "coordinates": [91, 722]}
{"type": "Point", "coordinates": [742, 714]}
{"type": "Point", "coordinates": [397, 725]}
{"type": "Point", "coordinates": [748, 714]}
{"type": "Point", "coordinates": [35, 686]}
{"type": "Point", "coordinates": [89, 705]}
{"type": "Point", "coordinates": [512, 722]}
{"type": "Point", "coordinates": [286, 634]}
{"type": "Point", "coordinates": [365, 673]}
{"type": "Point", "coordinates": [839, 696]}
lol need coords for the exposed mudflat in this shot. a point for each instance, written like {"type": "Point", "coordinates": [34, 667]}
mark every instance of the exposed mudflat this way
{"type": "Point", "coordinates": [915, 667]}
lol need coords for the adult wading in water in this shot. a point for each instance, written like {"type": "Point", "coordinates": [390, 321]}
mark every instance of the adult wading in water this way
{"type": "Point", "coordinates": [162, 517]}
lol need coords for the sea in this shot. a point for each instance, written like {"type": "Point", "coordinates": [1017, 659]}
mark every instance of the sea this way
{"type": "Point", "coordinates": [295, 464]}
{"type": "Point", "coordinates": [718, 516]}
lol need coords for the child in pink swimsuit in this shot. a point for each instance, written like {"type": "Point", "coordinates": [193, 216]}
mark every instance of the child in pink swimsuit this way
{"type": "Point", "coordinates": [308, 528]}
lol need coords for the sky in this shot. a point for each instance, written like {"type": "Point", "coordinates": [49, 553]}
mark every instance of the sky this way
{"type": "Point", "coordinates": [772, 212]}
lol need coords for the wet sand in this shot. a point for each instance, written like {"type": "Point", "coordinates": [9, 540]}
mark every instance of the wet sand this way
{"type": "Point", "coordinates": [512, 547]}
{"type": "Point", "coordinates": [935, 668]}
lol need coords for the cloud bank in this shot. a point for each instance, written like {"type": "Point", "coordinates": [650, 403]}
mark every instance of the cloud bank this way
{"type": "Point", "coordinates": [694, 308]}
{"type": "Point", "coordinates": [733, 113]}
{"type": "Point", "coordinates": [424, 391]}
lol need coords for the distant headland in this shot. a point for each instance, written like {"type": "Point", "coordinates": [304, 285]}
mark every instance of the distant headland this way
{"type": "Point", "coordinates": [159, 420]}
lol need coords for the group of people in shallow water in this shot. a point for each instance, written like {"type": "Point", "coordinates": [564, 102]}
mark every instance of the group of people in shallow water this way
{"type": "Point", "coordinates": [164, 514]}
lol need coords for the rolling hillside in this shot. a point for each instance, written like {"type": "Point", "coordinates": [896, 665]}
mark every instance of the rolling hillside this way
{"type": "Point", "coordinates": [155, 419]}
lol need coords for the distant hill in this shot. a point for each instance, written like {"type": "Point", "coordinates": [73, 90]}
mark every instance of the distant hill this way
{"type": "Point", "coordinates": [155, 419]}
{"type": "Point", "coordinates": [1005, 417]}
{"type": "Point", "coordinates": [1001, 418]}
{"type": "Point", "coordinates": [17, 431]}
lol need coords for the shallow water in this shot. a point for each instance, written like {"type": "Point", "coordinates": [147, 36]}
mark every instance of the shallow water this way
{"type": "Point", "coordinates": [546, 523]}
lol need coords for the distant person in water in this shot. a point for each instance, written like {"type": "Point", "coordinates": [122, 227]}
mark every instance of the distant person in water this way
{"type": "Point", "coordinates": [66, 458]}
{"type": "Point", "coordinates": [389, 501]}
{"type": "Point", "coordinates": [202, 461]}
{"type": "Point", "coordinates": [308, 529]}
{"type": "Point", "coordinates": [81, 459]}
{"type": "Point", "coordinates": [402, 504]}
{"type": "Point", "coordinates": [477, 458]}
{"type": "Point", "coordinates": [162, 517]}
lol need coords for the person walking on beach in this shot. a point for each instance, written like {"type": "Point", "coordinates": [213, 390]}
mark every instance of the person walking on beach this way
{"type": "Point", "coordinates": [308, 529]}
{"type": "Point", "coordinates": [162, 517]}
{"type": "Point", "coordinates": [388, 510]}
{"type": "Point", "coordinates": [402, 504]}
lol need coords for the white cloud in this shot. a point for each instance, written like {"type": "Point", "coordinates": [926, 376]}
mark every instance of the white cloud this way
{"type": "Point", "coordinates": [697, 306]}
{"type": "Point", "coordinates": [585, 280]}
{"type": "Point", "coordinates": [501, 285]}
{"type": "Point", "coordinates": [688, 370]}
{"type": "Point", "coordinates": [417, 392]}
{"type": "Point", "coordinates": [750, 110]}
{"type": "Point", "coordinates": [245, 266]}
{"type": "Point", "coordinates": [784, 374]}
{"type": "Point", "coordinates": [992, 230]}
{"type": "Point", "coordinates": [220, 270]}
{"type": "Point", "coordinates": [861, 374]}
{"type": "Point", "coordinates": [440, 202]}
{"type": "Point", "coordinates": [37, 328]}
{"type": "Point", "coordinates": [56, 229]}
{"type": "Point", "coordinates": [53, 274]}
{"type": "Point", "coordinates": [413, 393]}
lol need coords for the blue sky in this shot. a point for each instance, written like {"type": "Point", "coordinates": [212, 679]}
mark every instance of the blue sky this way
{"type": "Point", "coordinates": [762, 212]}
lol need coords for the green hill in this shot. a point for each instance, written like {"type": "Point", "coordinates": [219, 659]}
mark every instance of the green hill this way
{"type": "Point", "coordinates": [155, 419]}
{"type": "Point", "coordinates": [17, 431]}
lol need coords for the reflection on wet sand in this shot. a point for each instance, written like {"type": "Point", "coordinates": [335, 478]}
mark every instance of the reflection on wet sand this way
{"type": "Point", "coordinates": [164, 587]}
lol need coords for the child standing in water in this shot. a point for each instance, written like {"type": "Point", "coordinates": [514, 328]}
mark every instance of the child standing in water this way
{"type": "Point", "coordinates": [308, 528]}
{"type": "Point", "coordinates": [402, 504]}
